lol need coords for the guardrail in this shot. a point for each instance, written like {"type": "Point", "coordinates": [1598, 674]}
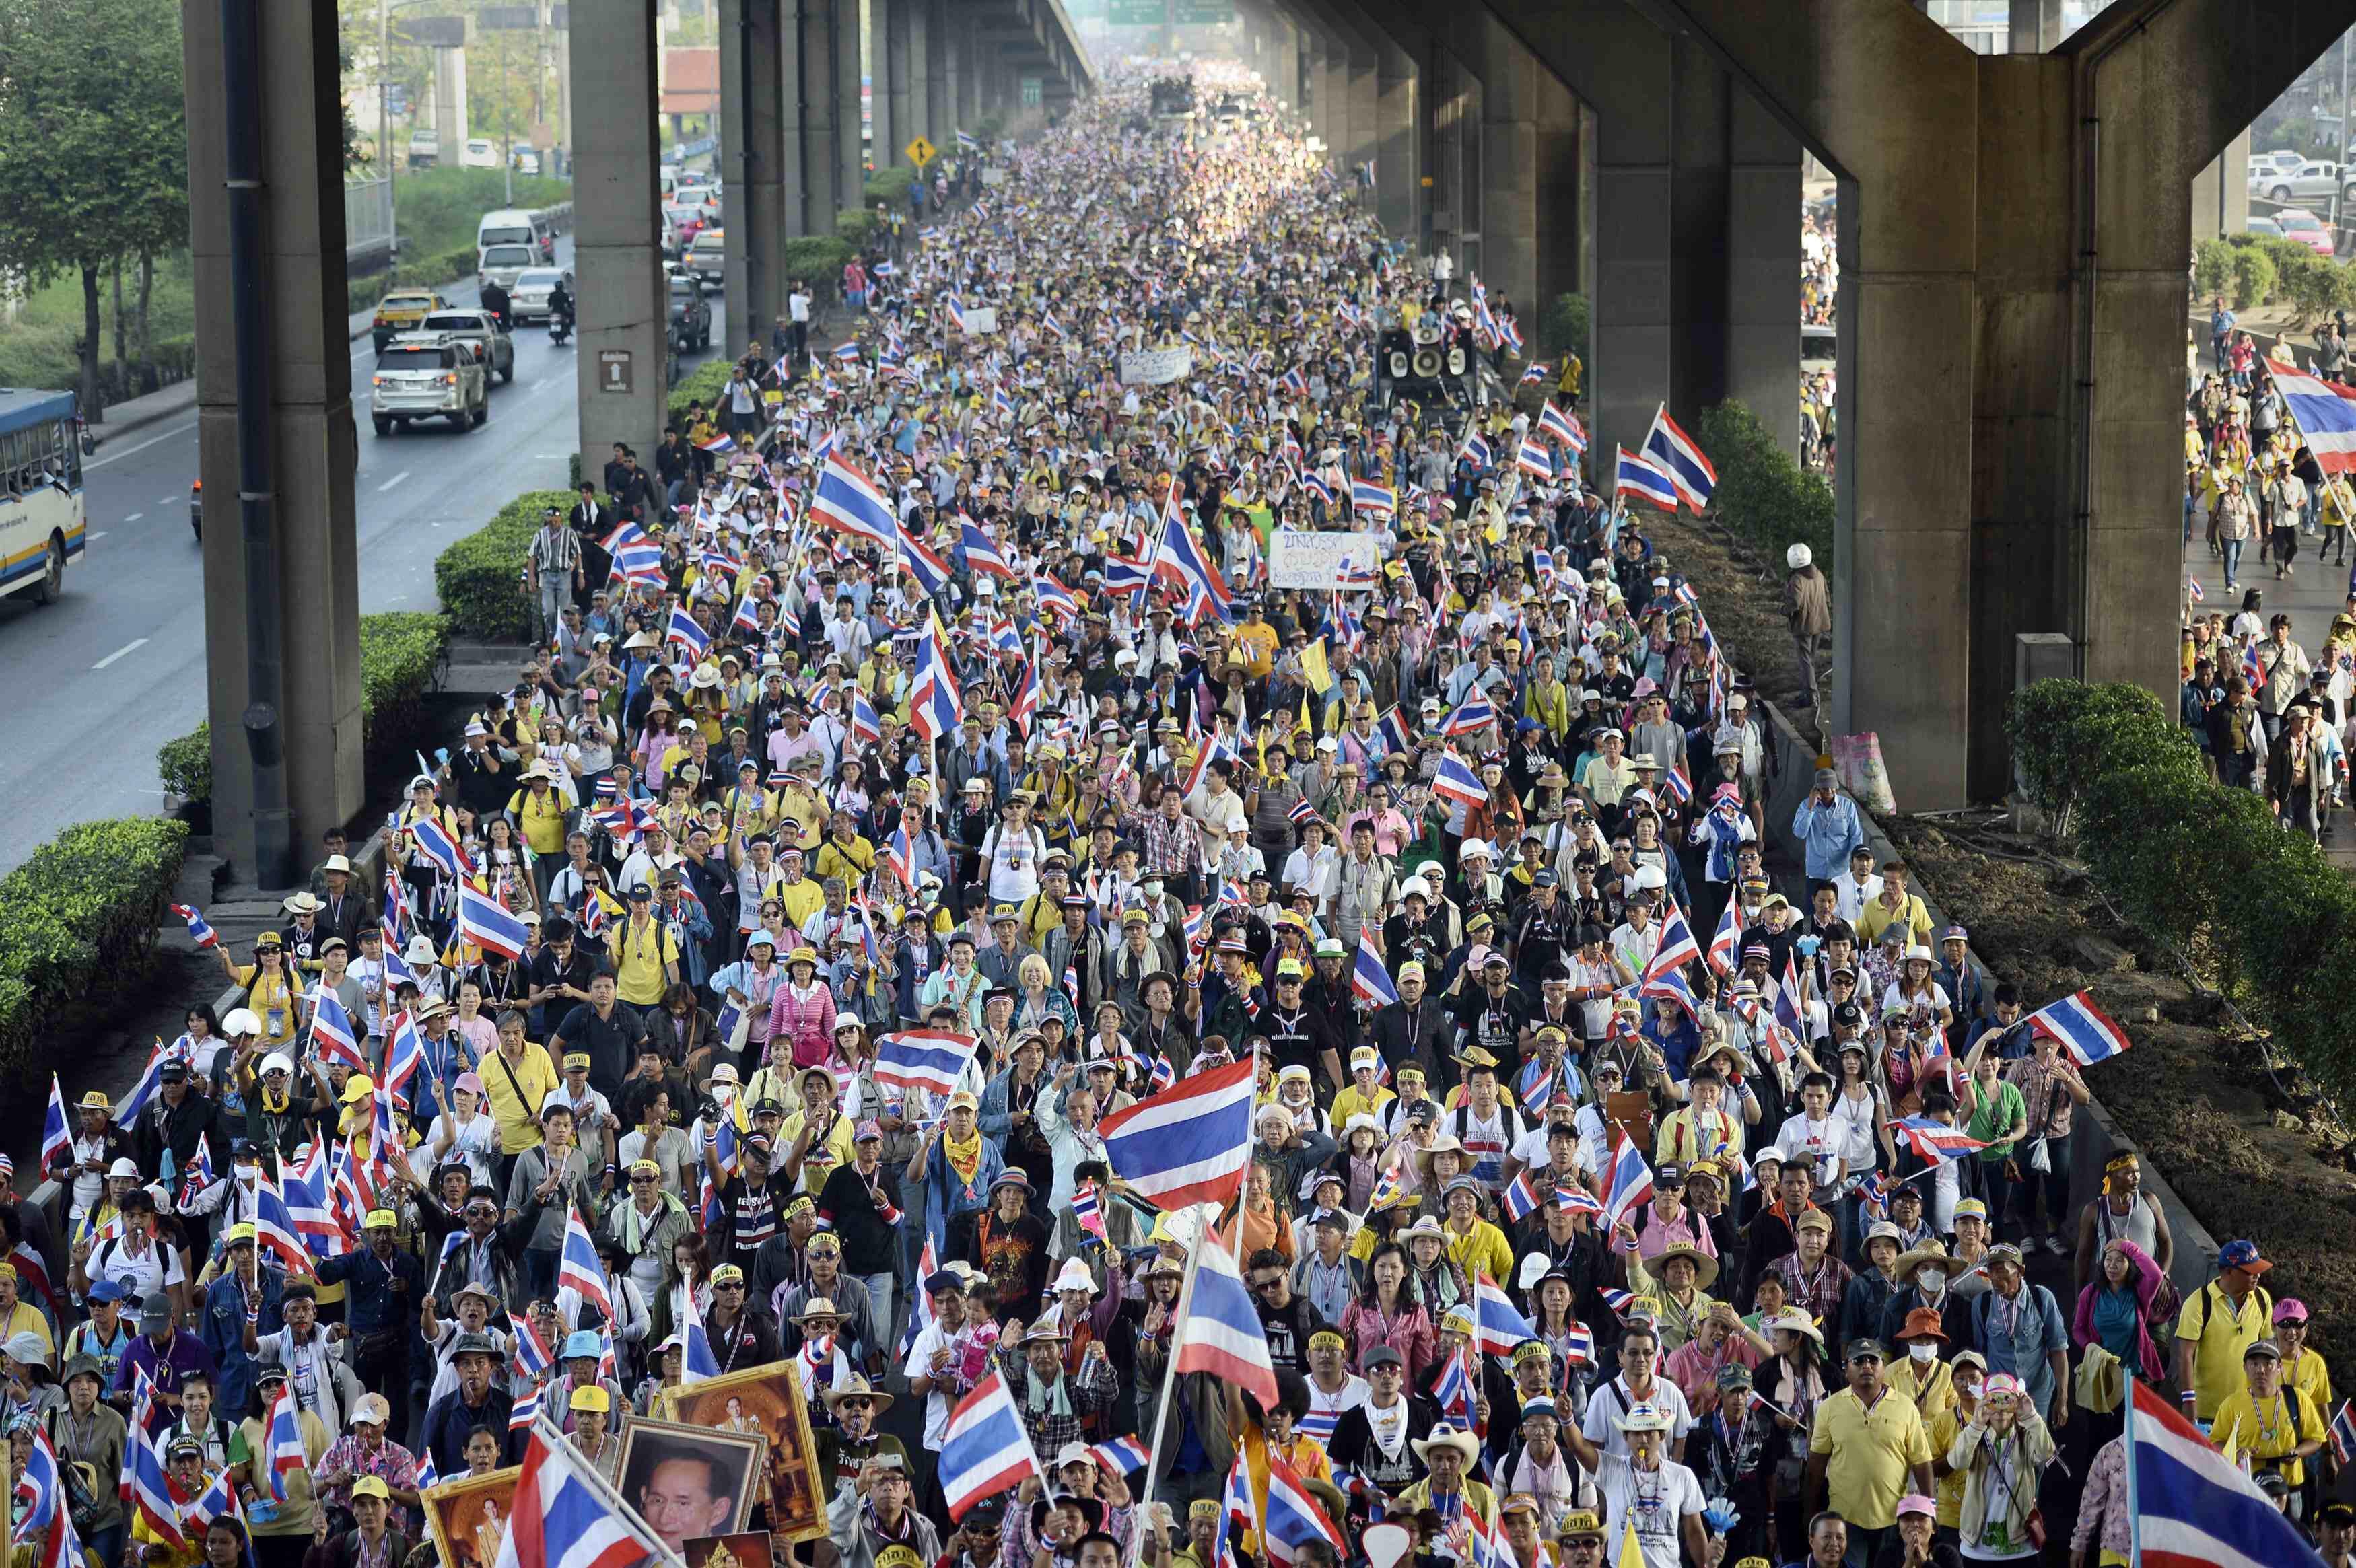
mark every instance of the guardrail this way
{"type": "Point", "coordinates": [560, 217]}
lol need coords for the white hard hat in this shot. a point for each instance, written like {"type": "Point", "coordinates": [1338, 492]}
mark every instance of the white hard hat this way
{"type": "Point", "coordinates": [1798, 557]}
{"type": "Point", "coordinates": [240, 1021]}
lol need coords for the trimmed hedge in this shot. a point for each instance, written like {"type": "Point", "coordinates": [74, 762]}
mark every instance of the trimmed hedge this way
{"type": "Point", "coordinates": [855, 226]}
{"type": "Point", "coordinates": [399, 654]}
{"type": "Point", "coordinates": [817, 259]}
{"type": "Point", "coordinates": [1761, 493]}
{"type": "Point", "coordinates": [890, 185]}
{"type": "Point", "coordinates": [481, 576]}
{"type": "Point", "coordinates": [2126, 784]}
{"type": "Point", "coordinates": [450, 267]}
{"type": "Point", "coordinates": [703, 384]}
{"type": "Point", "coordinates": [77, 915]}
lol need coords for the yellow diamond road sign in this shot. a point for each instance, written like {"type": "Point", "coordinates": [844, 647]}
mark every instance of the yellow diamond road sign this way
{"type": "Point", "coordinates": [920, 151]}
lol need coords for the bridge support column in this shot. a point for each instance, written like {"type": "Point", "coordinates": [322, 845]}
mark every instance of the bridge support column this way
{"type": "Point", "coordinates": [965, 78]}
{"type": "Point", "coordinates": [623, 304]}
{"type": "Point", "coordinates": [308, 427]}
{"type": "Point", "coordinates": [887, 113]}
{"type": "Point", "coordinates": [753, 147]}
{"type": "Point", "coordinates": [921, 119]}
{"type": "Point", "coordinates": [1994, 206]}
{"type": "Point", "coordinates": [449, 105]}
{"type": "Point", "coordinates": [820, 119]}
{"type": "Point", "coordinates": [939, 51]}
{"type": "Point", "coordinates": [1399, 190]}
{"type": "Point", "coordinates": [851, 172]}
{"type": "Point", "coordinates": [1312, 52]}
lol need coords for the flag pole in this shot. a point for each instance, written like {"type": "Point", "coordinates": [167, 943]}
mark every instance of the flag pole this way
{"type": "Point", "coordinates": [545, 1426]}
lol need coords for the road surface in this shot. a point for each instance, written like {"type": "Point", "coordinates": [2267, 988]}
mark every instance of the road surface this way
{"type": "Point", "coordinates": [116, 668]}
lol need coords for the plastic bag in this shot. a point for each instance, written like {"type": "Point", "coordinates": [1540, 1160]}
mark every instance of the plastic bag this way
{"type": "Point", "coordinates": [1858, 759]}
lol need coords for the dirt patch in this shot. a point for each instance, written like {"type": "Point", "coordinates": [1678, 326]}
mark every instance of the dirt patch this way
{"type": "Point", "coordinates": [2245, 1149]}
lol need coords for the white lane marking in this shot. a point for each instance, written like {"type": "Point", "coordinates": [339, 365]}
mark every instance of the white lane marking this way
{"type": "Point", "coordinates": [134, 517]}
{"type": "Point", "coordinates": [169, 501]}
{"type": "Point", "coordinates": [98, 535]}
{"type": "Point", "coordinates": [541, 385]}
{"type": "Point", "coordinates": [392, 482]}
{"type": "Point", "coordinates": [142, 446]}
{"type": "Point", "coordinates": [125, 648]}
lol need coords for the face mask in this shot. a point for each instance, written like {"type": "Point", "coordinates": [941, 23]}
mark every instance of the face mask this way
{"type": "Point", "coordinates": [1921, 1355]}
{"type": "Point", "coordinates": [1933, 1280]}
{"type": "Point", "coordinates": [1969, 1389]}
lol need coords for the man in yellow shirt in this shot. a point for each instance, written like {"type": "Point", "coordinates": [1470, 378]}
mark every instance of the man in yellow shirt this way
{"type": "Point", "coordinates": [1364, 1096]}
{"type": "Point", "coordinates": [2223, 1319]}
{"type": "Point", "coordinates": [2279, 1428]}
{"type": "Point", "coordinates": [646, 957]}
{"type": "Point", "coordinates": [1893, 905]}
{"type": "Point", "coordinates": [1868, 1448]}
{"type": "Point", "coordinates": [516, 1079]}
{"type": "Point", "coordinates": [1966, 1373]}
{"type": "Point", "coordinates": [541, 811]}
{"type": "Point", "coordinates": [801, 897]}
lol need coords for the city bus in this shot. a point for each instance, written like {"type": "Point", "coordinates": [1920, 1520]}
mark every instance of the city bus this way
{"type": "Point", "coordinates": [41, 523]}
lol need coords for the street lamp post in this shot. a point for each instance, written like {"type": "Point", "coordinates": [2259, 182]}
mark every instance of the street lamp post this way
{"type": "Point", "coordinates": [384, 124]}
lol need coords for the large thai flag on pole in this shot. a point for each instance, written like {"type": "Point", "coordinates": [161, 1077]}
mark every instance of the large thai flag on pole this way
{"type": "Point", "coordinates": [275, 1230]}
{"type": "Point", "coordinates": [981, 554]}
{"type": "Point", "coordinates": [1496, 1327]}
{"type": "Point", "coordinates": [1563, 426]}
{"type": "Point", "coordinates": [1190, 1144]}
{"type": "Point", "coordinates": [1370, 978]}
{"type": "Point", "coordinates": [1725, 947]}
{"type": "Point", "coordinates": [1671, 951]}
{"type": "Point", "coordinates": [1476, 712]}
{"type": "Point", "coordinates": [1457, 781]}
{"type": "Point", "coordinates": [2326, 415]}
{"type": "Point", "coordinates": [1632, 474]}
{"type": "Point", "coordinates": [433, 842]}
{"type": "Point", "coordinates": [935, 706]}
{"type": "Point", "coordinates": [2190, 1506]}
{"type": "Point", "coordinates": [696, 1362]}
{"type": "Point", "coordinates": [580, 1273]}
{"type": "Point", "coordinates": [1182, 559]}
{"type": "Point", "coordinates": [848, 498]}
{"type": "Point", "coordinates": [284, 1454]}
{"type": "Point", "coordinates": [151, 1489]}
{"type": "Point", "coordinates": [1936, 1142]}
{"type": "Point", "coordinates": [930, 571]}
{"type": "Point", "coordinates": [565, 1515]}
{"type": "Point", "coordinates": [1294, 1518]}
{"type": "Point", "coordinates": [333, 1038]}
{"type": "Point", "coordinates": [2080, 1029]}
{"type": "Point", "coordinates": [57, 1129]}
{"type": "Point", "coordinates": [687, 632]}
{"type": "Point", "coordinates": [984, 1450]}
{"type": "Point", "coordinates": [1677, 454]}
{"type": "Point", "coordinates": [927, 1059]}
{"type": "Point", "coordinates": [1630, 1184]}
{"type": "Point", "coordinates": [1219, 1325]}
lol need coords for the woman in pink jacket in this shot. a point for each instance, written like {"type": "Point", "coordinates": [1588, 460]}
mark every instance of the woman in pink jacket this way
{"type": "Point", "coordinates": [1389, 1313]}
{"type": "Point", "coordinates": [802, 1010]}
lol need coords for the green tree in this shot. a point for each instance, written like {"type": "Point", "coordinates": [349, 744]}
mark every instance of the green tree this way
{"type": "Point", "coordinates": [93, 144]}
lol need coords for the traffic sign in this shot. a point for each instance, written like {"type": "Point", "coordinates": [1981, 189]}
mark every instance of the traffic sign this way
{"type": "Point", "coordinates": [1136, 13]}
{"type": "Point", "coordinates": [920, 151]}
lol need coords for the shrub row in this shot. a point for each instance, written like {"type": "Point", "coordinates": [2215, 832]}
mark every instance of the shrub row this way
{"type": "Point", "coordinates": [703, 384]}
{"type": "Point", "coordinates": [479, 576]}
{"type": "Point", "coordinates": [2196, 862]}
{"type": "Point", "coordinates": [449, 267]}
{"type": "Point", "coordinates": [400, 653]}
{"type": "Point", "coordinates": [1761, 492]}
{"type": "Point", "coordinates": [818, 259]}
{"type": "Point", "coordinates": [2260, 268]}
{"type": "Point", "coordinates": [74, 917]}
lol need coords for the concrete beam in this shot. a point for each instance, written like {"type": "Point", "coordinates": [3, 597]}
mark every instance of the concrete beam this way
{"type": "Point", "coordinates": [888, 116]}
{"type": "Point", "coordinates": [940, 75]}
{"type": "Point", "coordinates": [821, 123]}
{"type": "Point", "coordinates": [851, 171]}
{"type": "Point", "coordinates": [1396, 108]}
{"type": "Point", "coordinates": [753, 150]}
{"type": "Point", "coordinates": [924, 119]}
{"type": "Point", "coordinates": [624, 305]}
{"type": "Point", "coordinates": [309, 423]}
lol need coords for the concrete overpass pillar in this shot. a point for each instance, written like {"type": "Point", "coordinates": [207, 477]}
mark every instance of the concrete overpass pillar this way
{"type": "Point", "coordinates": [1508, 198]}
{"type": "Point", "coordinates": [965, 78]}
{"type": "Point", "coordinates": [309, 431]}
{"type": "Point", "coordinates": [1398, 190]}
{"type": "Point", "coordinates": [883, 16]}
{"type": "Point", "coordinates": [1992, 208]}
{"type": "Point", "coordinates": [821, 123]}
{"type": "Point", "coordinates": [1364, 88]}
{"type": "Point", "coordinates": [851, 172]}
{"type": "Point", "coordinates": [2221, 194]}
{"type": "Point", "coordinates": [937, 52]}
{"type": "Point", "coordinates": [1285, 60]}
{"type": "Point", "coordinates": [625, 311]}
{"type": "Point", "coordinates": [449, 105]}
{"type": "Point", "coordinates": [752, 112]}
{"type": "Point", "coordinates": [923, 119]}
{"type": "Point", "coordinates": [2033, 25]}
{"type": "Point", "coordinates": [1311, 48]}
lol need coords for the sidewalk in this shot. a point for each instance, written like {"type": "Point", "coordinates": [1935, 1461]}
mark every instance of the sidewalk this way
{"type": "Point", "coordinates": [132, 414]}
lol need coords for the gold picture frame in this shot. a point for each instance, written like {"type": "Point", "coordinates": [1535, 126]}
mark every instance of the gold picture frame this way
{"type": "Point", "coordinates": [748, 1548]}
{"type": "Point", "coordinates": [459, 1512]}
{"type": "Point", "coordinates": [738, 1461]}
{"type": "Point", "coordinates": [767, 1399]}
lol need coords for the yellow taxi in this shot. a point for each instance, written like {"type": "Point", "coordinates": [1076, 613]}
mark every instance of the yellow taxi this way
{"type": "Point", "coordinates": [401, 311]}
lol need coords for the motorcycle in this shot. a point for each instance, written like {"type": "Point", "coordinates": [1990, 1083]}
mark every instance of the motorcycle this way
{"type": "Point", "coordinates": [559, 326]}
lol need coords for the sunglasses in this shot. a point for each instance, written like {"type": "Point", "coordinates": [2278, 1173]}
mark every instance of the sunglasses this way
{"type": "Point", "coordinates": [642, 1182]}
{"type": "Point", "coordinates": [854, 1404]}
{"type": "Point", "coordinates": [730, 1285]}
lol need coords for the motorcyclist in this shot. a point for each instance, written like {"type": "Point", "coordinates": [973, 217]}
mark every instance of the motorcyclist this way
{"type": "Point", "coordinates": [560, 303]}
{"type": "Point", "coordinates": [494, 300]}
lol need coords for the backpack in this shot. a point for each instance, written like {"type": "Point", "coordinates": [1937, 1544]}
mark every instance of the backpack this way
{"type": "Point", "coordinates": [2265, 1308]}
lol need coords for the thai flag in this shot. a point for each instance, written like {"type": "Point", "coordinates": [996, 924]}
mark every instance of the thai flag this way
{"type": "Point", "coordinates": [1936, 1142]}
{"type": "Point", "coordinates": [484, 922]}
{"type": "Point", "coordinates": [275, 1230]}
{"type": "Point", "coordinates": [696, 1362]}
{"type": "Point", "coordinates": [687, 632]}
{"type": "Point", "coordinates": [1456, 782]}
{"type": "Point", "coordinates": [1122, 1456]}
{"type": "Point", "coordinates": [1190, 1144]}
{"type": "Point", "coordinates": [2192, 586]}
{"type": "Point", "coordinates": [984, 1448]}
{"type": "Point", "coordinates": [849, 498]}
{"type": "Point", "coordinates": [1497, 1328]}
{"type": "Point", "coordinates": [966, 143]}
{"type": "Point", "coordinates": [1294, 1519]}
{"type": "Point", "coordinates": [1317, 487]}
{"type": "Point", "coordinates": [1392, 728]}
{"type": "Point", "coordinates": [1521, 1199]}
{"type": "Point", "coordinates": [333, 1035]}
{"type": "Point", "coordinates": [1533, 374]}
{"type": "Point", "coordinates": [2343, 1433]}
{"type": "Point", "coordinates": [526, 1410]}
{"type": "Point", "coordinates": [1124, 575]}
{"type": "Point", "coordinates": [40, 1487]}
{"type": "Point", "coordinates": [1510, 333]}
{"type": "Point", "coordinates": [1632, 1180]}
{"type": "Point", "coordinates": [982, 553]}
{"type": "Point", "coordinates": [847, 352]}
{"type": "Point", "coordinates": [1619, 1301]}
{"type": "Point", "coordinates": [1726, 948]}
{"type": "Point", "coordinates": [219, 1502]}
{"type": "Point", "coordinates": [639, 563]}
{"type": "Point", "coordinates": [1293, 381]}
{"type": "Point", "coordinates": [1675, 453]}
{"type": "Point", "coordinates": [1024, 706]}
{"type": "Point", "coordinates": [1455, 1393]}
{"type": "Point", "coordinates": [1183, 559]}
{"type": "Point", "coordinates": [1086, 1211]}
{"type": "Point", "coordinates": [1047, 319]}
{"type": "Point", "coordinates": [57, 1129]}
{"type": "Point", "coordinates": [1534, 460]}
{"type": "Point", "coordinates": [1563, 426]}
{"type": "Point", "coordinates": [1370, 978]}
{"type": "Point", "coordinates": [935, 706]}
{"type": "Point", "coordinates": [1390, 1186]}
{"type": "Point", "coordinates": [2326, 415]}
{"type": "Point", "coordinates": [1634, 475]}
{"type": "Point", "coordinates": [921, 1315]}
{"type": "Point", "coordinates": [956, 309]}
{"type": "Point", "coordinates": [1678, 784]}
{"type": "Point", "coordinates": [866, 724]}
{"type": "Point", "coordinates": [563, 1515]}
{"type": "Point", "coordinates": [151, 1489]}
{"type": "Point", "coordinates": [581, 1274]}
{"type": "Point", "coordinates": [1873, 1196]}
{"type": "Point", "coordinates": [1672, 950]}
{"type": "Point", "coordinates": [1365, 496]}
{"type": "Point", "coordinates": [1475, 713]}
{"type": "Point", "coordinates": [1001, 404]}
{"type": "Point", "coordinates": [433, 842]}
{"type": "Point", "coordinates": [200, 931]}
{"type": "Point", "coordinates": [199, 1173]}
{"type": "Point", "coordinates": [404, 1057]}
{"type": "Point", "coordinates": [2191, 1507]}
{"type": "Point", "coordinates": [931, 572]}
{"type": "Point", "coordinates": [1218, 1323]}
{"type": "Point", "coordinates": [931, 1059]}
{"type": "Point", "coordinates": [1475, 448]}
{"type": "Point", "coordinates": [1236, 1506]}
{"type": "Point", "coordinates": [534, 1357]}
{"type": "Point", "coordinates": [1053, 599]}
{"type": "Point", "coordinates": [722, 441]}
{"type": "Point", "coordinates": [2080, 1029]}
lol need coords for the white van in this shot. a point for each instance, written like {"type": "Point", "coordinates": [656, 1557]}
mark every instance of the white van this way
{"type": "Point", "coordinates": [513, 226]}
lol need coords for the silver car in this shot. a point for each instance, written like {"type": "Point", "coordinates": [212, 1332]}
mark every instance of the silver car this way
{"type": "Point", "coordinates": [482, 329]}
{"type": "Point", "coordinates": [502, 264]}
{"type": "Point", "coordinates": [528, 300]}
{"type": "Point", "coordinates": [421, 374]}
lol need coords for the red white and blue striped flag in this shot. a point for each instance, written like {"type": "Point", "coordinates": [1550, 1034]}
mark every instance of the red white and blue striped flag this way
{"type": "Point", "coordinates": [200, 931]}
{"type": "Point", "coordinates": [984, 1448]}
{"type": "Point", "coordinates": [1218, 1323]}
{"type": "Point", "coordinates": [2081, 1028]}
{"type": "Point", "coordinates": [1191, 1144]}
{"type": "Point", "coordinates": [1085, 1210]}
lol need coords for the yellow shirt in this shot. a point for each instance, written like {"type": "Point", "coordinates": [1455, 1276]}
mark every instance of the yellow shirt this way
{"type": "Point", "coordinates": [541, 812]}
{"type": "Point", "coordinates": [1355, 1101]}
{"type": "Point", "coordinates": [272, 999]}
{"type": "Point", "coordinates": [809, 817]}
{"type": "Point", "coordinates": [2218, 1334]}
{"type": "Point", "coordinates": [1681, 1140]}
{"type": "Point", "coordinates": [2269, 1429]}
{"type": "Point", "coordinates": [1872, 1453]}
{"type": "Point", "coordinates": [1482, 1250]}
{"type": "Point", "coordinates": [1943, 1429]}
{"type": "Point", "coordinates": [26, 1319]}
{"type": "Point", "coordinates": [1875, 915]}
{"type": "Point", "coordinates": [1933, 1389]}
{"type": "Point", "coordinates": [1255, 642]}
{"type": "Point", "coordinates": [517, 1114]}
{"type": "Point", "coordinates": [802, 900]}
{"type": "Point", "coordinates": [819, 1161]}
{"type": "Point", "coordinates": [2310, 1377]}
{"type": "Point", "coordinates": [642, 954]}
{"type": "Point", "coordinates": [853, 862]}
